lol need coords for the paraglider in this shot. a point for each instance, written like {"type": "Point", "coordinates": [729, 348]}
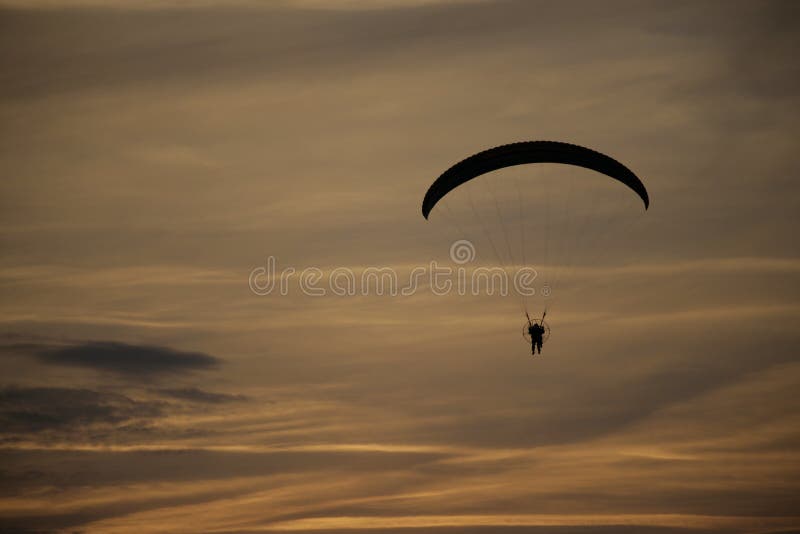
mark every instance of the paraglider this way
{"type": "Point", "coordinates": [518, 154]}
{"type": "Point", "coordinates": [535, 333]}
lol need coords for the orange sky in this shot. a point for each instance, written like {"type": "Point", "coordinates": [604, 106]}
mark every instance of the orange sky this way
{"type": "Point", "coordinates": [154, 154]}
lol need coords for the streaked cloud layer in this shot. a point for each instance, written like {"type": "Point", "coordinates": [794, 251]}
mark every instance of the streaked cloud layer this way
{"type": "Point", "coordinates": [154, 154]}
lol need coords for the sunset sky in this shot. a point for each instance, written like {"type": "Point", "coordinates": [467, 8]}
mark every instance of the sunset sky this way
{"type": "Point", "coordinates": [154, 154]}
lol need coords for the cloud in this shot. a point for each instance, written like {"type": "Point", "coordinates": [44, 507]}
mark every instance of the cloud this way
{"type": "Point", "coordinates": [122, 482]}
{"type": "Point", "coordinates": [128, 360]}
{"type": "Point", "coordinates": [199, 395]}
{"type": "Point", "coordinates": [568, 524]}
{"type": "Point", "coordinates": [236, 43]}
{"type": "Point", "coordinates": [40, 409]}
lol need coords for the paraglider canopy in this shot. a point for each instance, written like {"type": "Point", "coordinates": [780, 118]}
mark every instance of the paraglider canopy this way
{"type": "Point", "coordinates": [530, 152]}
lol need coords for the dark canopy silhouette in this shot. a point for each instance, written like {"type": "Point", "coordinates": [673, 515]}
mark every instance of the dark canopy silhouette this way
{"type": "Point", "coordinates": [530, 152]}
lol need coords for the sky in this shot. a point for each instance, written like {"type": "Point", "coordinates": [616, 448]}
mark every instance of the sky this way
{"type": "Point", "coordinates": [157, 156]}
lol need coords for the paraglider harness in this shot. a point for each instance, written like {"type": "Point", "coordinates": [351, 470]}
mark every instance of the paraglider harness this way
{"type": "Point", "coordinates": [543, 325]}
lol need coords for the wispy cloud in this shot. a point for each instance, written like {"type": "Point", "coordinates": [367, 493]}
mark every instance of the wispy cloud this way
{"type": "Point", "coordinates": [199, 395]}
{"type": "Point", "coordinates": [32, 410]}
{"type": "Point", "coordinates": [126, 359]}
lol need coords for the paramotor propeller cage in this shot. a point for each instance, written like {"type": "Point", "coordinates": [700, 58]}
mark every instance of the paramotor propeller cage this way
{"type": "Point", "coordinates": [545, 335]}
